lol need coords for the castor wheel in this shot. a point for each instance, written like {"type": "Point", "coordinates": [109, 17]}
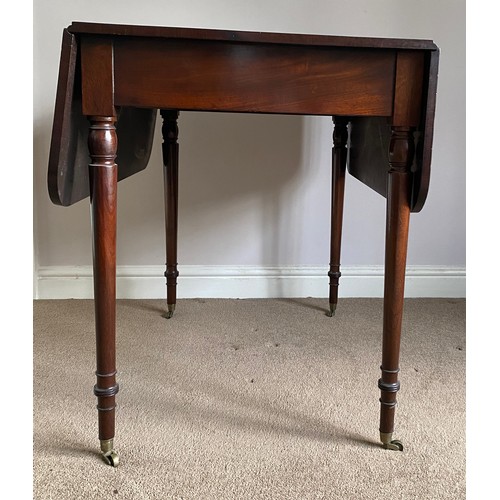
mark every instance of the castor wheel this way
{"type": "Point", "coordinates": [109, 455]}
{"type": "Point", "coordinates": [112, 458]}
{"type": "Point", "coordinates": [170, 312]}
{"type": "Point", "coordinates": [390, 444]}
{"type": "Point", "coordinates": [331, 312]}
{"type": "Point", "coordinates": [394, 445]}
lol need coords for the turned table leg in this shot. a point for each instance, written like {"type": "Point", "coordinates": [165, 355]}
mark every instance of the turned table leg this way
{"type": "Point", "coordinates": [170, 149]}
{"type": "Point", "coordinates": [103, 177]}
{"type": "Point", "coordinates": [339, 158]}
{"type": "Point", "coordinates": [398, 217]}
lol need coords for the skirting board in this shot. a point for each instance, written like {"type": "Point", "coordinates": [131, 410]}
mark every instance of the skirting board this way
{"type": "Point", "coordinates": [148, 282]}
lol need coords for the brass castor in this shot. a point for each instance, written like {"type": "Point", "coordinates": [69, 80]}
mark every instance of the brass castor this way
{"type": "Point", "coordinates": [394, 445]}
{"type": "Point", "coordinates": [390, 444]}
{"type": "Point", "coordinates": [331, 312]}
{"type": "Point", "coordinates": [170, 312]}
{"type": "Point", "coordinates": [112, 459]}
{"type": "Point", "coordinates": [108, 454]}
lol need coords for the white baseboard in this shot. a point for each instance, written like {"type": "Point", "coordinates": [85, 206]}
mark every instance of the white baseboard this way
{"type": "Point", "coordinates": [141, 282]}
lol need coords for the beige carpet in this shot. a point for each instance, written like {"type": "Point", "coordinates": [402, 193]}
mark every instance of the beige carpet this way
{"type": "Point", "coordinates": [250, 399]}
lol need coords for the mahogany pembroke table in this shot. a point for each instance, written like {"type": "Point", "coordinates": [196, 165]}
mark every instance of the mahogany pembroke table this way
{"type": "Point", "coordinates": [112, 79]}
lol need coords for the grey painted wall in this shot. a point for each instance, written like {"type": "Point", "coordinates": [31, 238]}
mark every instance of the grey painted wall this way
{"type": "Point", "coordinates": [255, 190]}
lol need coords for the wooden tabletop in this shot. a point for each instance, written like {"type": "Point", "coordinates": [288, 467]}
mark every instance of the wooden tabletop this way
{"type": "Point", "coordinates": [249, 36]}
{"type": "Point", "coordinates": [68, 162]}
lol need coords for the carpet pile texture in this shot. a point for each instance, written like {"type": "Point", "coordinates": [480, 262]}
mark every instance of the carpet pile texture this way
{"type": "Point", "coordinates": [250, 399]}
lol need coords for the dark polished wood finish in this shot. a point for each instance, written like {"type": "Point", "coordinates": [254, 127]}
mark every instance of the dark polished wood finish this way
{"type": "Point", "coordinates": [385, 89]}
{"type": "Point", "coordinates": [68, 172]}
{"type": "Point", "coordinates": [136, 31]}
{"type": "Point", "coordinates": [170, 150]}
{"type": "Point", "coordinates": [339, 160]}
{"type": "Point", "coordinates": [103, 179]}
{"type": "Point", "coordinates": [253, 78]}
{"type": "Point", "coordinates": [397, 223]}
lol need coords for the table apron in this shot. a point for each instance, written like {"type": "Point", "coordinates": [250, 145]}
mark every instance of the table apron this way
{"type": "Point", "coordinates": [262, 78]}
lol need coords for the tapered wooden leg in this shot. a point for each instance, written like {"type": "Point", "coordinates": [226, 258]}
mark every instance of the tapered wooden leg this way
{"type": "Point", "coordinates": [398, 218]}
{"type": "Point", "coordinates": [170, 150]}
{"type": "Point", "coordinates": [339, 158]}
{"type": "Point", "coordinates": [103, 177]}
